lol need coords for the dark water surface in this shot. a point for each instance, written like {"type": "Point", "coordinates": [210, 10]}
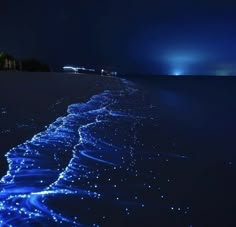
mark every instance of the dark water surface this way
{"type": "Point", "coordinates": [197, 119]}
{"type": "Point", "coordinates": [156, 151]}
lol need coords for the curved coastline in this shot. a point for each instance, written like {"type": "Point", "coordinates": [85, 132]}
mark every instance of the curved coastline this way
{"type": "Point", "coordinates": [37, 167]}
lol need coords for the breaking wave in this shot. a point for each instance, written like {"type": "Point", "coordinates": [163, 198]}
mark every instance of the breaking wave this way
{"type": "Point", "coordinates": [90, 167]}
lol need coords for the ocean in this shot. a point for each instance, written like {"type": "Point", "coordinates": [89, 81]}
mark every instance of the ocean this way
{"type": "Point", "coordinates": [99, 151]}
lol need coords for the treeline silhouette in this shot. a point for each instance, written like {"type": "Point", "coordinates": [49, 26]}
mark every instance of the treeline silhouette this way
{"type": "Point", "coordinates": [10, 63]}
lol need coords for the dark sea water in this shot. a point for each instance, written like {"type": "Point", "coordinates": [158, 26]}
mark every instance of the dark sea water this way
{"type": "Point", "coordinates": [143, 151]}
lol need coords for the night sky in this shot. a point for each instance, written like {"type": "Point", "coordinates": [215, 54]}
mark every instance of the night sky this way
{"type": "Point", "coordinates": [146, 36]}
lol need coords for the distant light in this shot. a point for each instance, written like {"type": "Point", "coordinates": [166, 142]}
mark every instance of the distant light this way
{"type": "Point", "coordinates": [70, 68]}
{"type": "Point", "coordinates": [76, 69]}
{"type": "Point", "coordinates": [177, 73]}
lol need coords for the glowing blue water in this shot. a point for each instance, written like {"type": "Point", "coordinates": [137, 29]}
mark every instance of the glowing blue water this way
{"type": "Point", "coordinates": [89, 167]}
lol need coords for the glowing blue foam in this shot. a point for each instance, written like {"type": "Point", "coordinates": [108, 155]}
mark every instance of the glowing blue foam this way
{"type": "Point", "coordinates": [90, 155]}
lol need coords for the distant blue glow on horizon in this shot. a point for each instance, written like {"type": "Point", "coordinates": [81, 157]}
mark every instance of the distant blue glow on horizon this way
{"type": "Point", "coordinates": [177, 73]}
{"type": "Point", "coordinates": [183, 62]}
{"type": "Point", "coordinates": [184, 57]}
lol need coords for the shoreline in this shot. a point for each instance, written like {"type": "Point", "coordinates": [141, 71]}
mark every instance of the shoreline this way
{"type": "Point", "coordinates": [39, 100]}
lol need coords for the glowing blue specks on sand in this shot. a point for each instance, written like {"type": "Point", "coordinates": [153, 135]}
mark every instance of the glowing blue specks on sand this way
{"type": "Point", "coordinates": [85, 167]}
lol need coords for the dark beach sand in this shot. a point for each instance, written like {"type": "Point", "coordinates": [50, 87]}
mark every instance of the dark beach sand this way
{"type": "Point", "coordinates": [31, 101]}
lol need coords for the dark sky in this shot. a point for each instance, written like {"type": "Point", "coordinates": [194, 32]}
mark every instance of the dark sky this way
{"type": "Point", "coordinates": [158, 36]}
